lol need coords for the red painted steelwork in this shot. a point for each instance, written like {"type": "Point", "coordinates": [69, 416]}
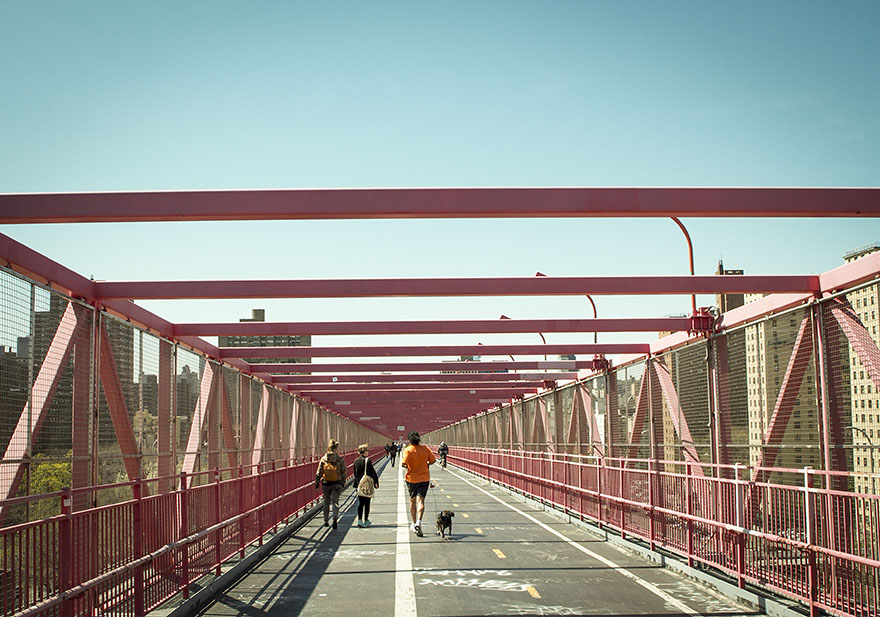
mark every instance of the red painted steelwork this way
{"type": "Point", "coordinates": [440, 287]}
{"type": "Point", "coordinates": [385, 203]}
{"type": "Point", "coordinates": [430, 350]}
{"type": "Point", "coordinates": [477, 367]}
{"type": "Point", "coordinates": [245, 328]}
{"type": "Point", "coordinates": [29, 424]}
{"type": "Point", "coordinates": [415, 387]}
{"type": "Point", "coordinates": [119, 413]}
{"type": "Point", "coordinates": [415, 395]}
{"type": "Point", "coordinates": [427, 378]}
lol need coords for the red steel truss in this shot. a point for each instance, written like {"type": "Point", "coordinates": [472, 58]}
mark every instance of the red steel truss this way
{"type": "Point", "coordinates": [582, 434]}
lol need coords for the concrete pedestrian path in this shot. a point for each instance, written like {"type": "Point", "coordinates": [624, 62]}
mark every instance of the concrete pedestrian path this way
{"type": "Point", "coordinates": [503, 558]}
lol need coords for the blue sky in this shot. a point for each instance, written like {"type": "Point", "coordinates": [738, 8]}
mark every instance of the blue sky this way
{"type": "Point", "coordinates": [209, 95]}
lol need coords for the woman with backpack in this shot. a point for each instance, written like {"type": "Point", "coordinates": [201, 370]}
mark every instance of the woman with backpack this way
{"type": "Point", "coordinates": [331, 477]}
{"type": "Point", "coordinates": [367, 481]}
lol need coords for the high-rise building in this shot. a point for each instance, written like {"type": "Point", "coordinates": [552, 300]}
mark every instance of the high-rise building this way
{"type": "Point", "coordinates": [769, 345]}
{"type": "Point", "coordinates": [864, 427]}
{"type": "Point", "coordinates": [726, 302]}
{"type": "Point", "coordinates": [277, 340]}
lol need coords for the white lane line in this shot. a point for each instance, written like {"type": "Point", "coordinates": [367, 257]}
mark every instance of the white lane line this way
{"type": "Point", "coordinates": [404, 587]}
{"type": "Point", "coordinates": [684, 608]}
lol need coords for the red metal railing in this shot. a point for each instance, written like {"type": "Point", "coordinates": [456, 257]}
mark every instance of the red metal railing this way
{"type": "Point", "coordinates": [808, 542]}
{"type": "Point", "coordinates": [130, 557]}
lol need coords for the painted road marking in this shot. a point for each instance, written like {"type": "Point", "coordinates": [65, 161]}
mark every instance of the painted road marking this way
{"type": "Point", "coordinates": [465, 514]}
{"type": "Point", "coordinates": [455, 504]}
{"type": "Point", "coordinates": [533, 592]}
{"type": "Point", "coordinates": [448, 497]}
{"type": "Point", "coordinates": [499, 553]}
{"type": "Point", "coordinates": [684, 608]}
{"type": "Point", "coordinates": [404, 588]}
{"type": "Point", "coordinates": [478, 530]}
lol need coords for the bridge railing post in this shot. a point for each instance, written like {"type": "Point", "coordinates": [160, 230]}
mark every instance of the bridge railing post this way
{"type": "Point", "coordinates": [652, 470]}
{"type": "Point", "coordinates": [138, 545]}
{"type": "Point", "coordinates": [740, 523]}
{"type": "Point", "coordinates": [690, 512]}
{"type": "Point", "coordinates": [65, 551]}
{"type": "Point", "coordinates": [810, 522]}
{"type": "Point", "coordinates": [218, 535]}
{"type": "Point", "coordinates": [241, 508]}
{"type": "Point", "coordinates": [184, 532]}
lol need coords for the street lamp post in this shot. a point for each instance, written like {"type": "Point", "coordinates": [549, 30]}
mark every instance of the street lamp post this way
{"type": "Point", "coordinates": [870, 452]}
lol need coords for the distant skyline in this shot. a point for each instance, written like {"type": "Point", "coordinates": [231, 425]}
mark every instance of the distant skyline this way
{"type": "Point", "coordinates": [133, 96]}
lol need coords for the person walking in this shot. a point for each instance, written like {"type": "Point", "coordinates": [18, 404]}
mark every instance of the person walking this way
{"type": "Point", "coordinates": [392, 452]}
{"type": "Point", "coordinates": [443, 451]}
{"type": "Point", "coordinates": [417, 459]}
{"type": "Point", "coordinates": [330, 475]}
{"type": "Point", "coordinates": [363, 468]}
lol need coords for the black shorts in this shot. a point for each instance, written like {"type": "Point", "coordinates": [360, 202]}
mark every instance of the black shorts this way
{"type": "Point", "coordinates": [418, 489]}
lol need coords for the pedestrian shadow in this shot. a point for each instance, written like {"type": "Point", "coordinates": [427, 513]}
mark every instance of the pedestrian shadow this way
{"type": "Point", "coordinates": [285, 588]}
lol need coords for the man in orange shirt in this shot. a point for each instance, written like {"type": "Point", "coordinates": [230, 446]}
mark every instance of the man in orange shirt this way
{"type": "Point", "coordinates": [416, 458]}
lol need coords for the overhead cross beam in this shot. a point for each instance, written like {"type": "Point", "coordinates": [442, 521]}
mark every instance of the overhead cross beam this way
{"type": "Point", "coordinates": [475, 326]}
{"type": "Point", "coordinates": [403, 203]}
{"type": "Point", "coordinates": [432, 350]}
{"type": "Point", "coordinates": [421, 377]}
{"type": "Point", "coordinates": [441, 287]}
{"type": "Point", "coordinates": [465, 366]}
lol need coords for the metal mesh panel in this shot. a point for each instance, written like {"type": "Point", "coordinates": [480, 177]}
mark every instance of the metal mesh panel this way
{"type": "Point", "coordinates": [783, 421]}
{"type": "Point", "coordinates": [680, 385]}
{"type": "Point", "coordinates": [45, 395]}
{"type": "Point", "coordinates": [187, 380]}
{"type": "Point", "coordinates": [596, 387]}
{"type": "Point", "coordinates": [732, 396]}
{"type": "Point", "coordinates": [628, 384]}
{"type": "Point", "coordinates": [563, 419]}
{"type": "Point", "coordinates": [852, 362]}
{"type": "Point", "coordinates": [118, 459]}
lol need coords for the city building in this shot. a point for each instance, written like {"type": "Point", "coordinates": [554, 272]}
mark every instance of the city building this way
{"type": "Point", "coordinates": [277, 340]}
{"type": "Point", "coordinates": [727, 302]}
{"type": "Point", "coordinates": [863, 430]}
{"type": "Point", "coordinates": [768, 350]}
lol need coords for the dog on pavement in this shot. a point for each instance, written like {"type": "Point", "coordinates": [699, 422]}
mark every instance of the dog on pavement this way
{"type": "Point", "coordinates": [444, 522]}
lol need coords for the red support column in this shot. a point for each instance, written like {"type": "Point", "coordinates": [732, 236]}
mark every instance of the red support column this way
{"type": "Point", "coordinates": [183, 508]}
{"type": "Point", "coordinates": [165, 418]}
{"type": "Point", "coordinates": [81, 413]}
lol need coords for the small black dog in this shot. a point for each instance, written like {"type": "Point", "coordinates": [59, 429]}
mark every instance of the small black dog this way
{"type": "Point", "coordinates": [444, 522]}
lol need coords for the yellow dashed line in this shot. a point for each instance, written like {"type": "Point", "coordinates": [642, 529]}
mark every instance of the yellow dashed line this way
{"type": "Point", "coordinates": [499, 553]}
{"type": "Point", "coordinates": [448, 497]}
{"type": "Point", "coordinates": [455, 504]}
{"type": "Point", "coordinates": [465, 514]}
{"type": "Point", "coordinates": [478, 530]}
{"type": "Point", "coordinates": [533, 592]}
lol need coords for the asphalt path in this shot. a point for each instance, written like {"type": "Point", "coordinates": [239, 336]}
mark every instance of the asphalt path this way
{"type": "Point", "coordinates": [503, 558]}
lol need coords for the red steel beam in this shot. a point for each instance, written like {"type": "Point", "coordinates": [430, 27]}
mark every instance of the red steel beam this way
{"type": "Point", "coordinates": [415, 387]}
{"type": "Point", "coordinates": [441, 287]}
{"type": "Point", "coordinates": [476, 367]}
{"type": "Point", "coordinates": [402, 203]}
{"type": "Point", "coordinates": [367, 396]}
{"type": "Point", "coordinates": [261, 328]}
{"type": "Point", "coordinates": [432, 350]}
{"type": "Point", "coordinates": [432, 378]}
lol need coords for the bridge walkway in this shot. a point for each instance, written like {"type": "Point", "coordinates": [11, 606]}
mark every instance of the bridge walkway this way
{"type": "Point", "coordinates": [503, 558]}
